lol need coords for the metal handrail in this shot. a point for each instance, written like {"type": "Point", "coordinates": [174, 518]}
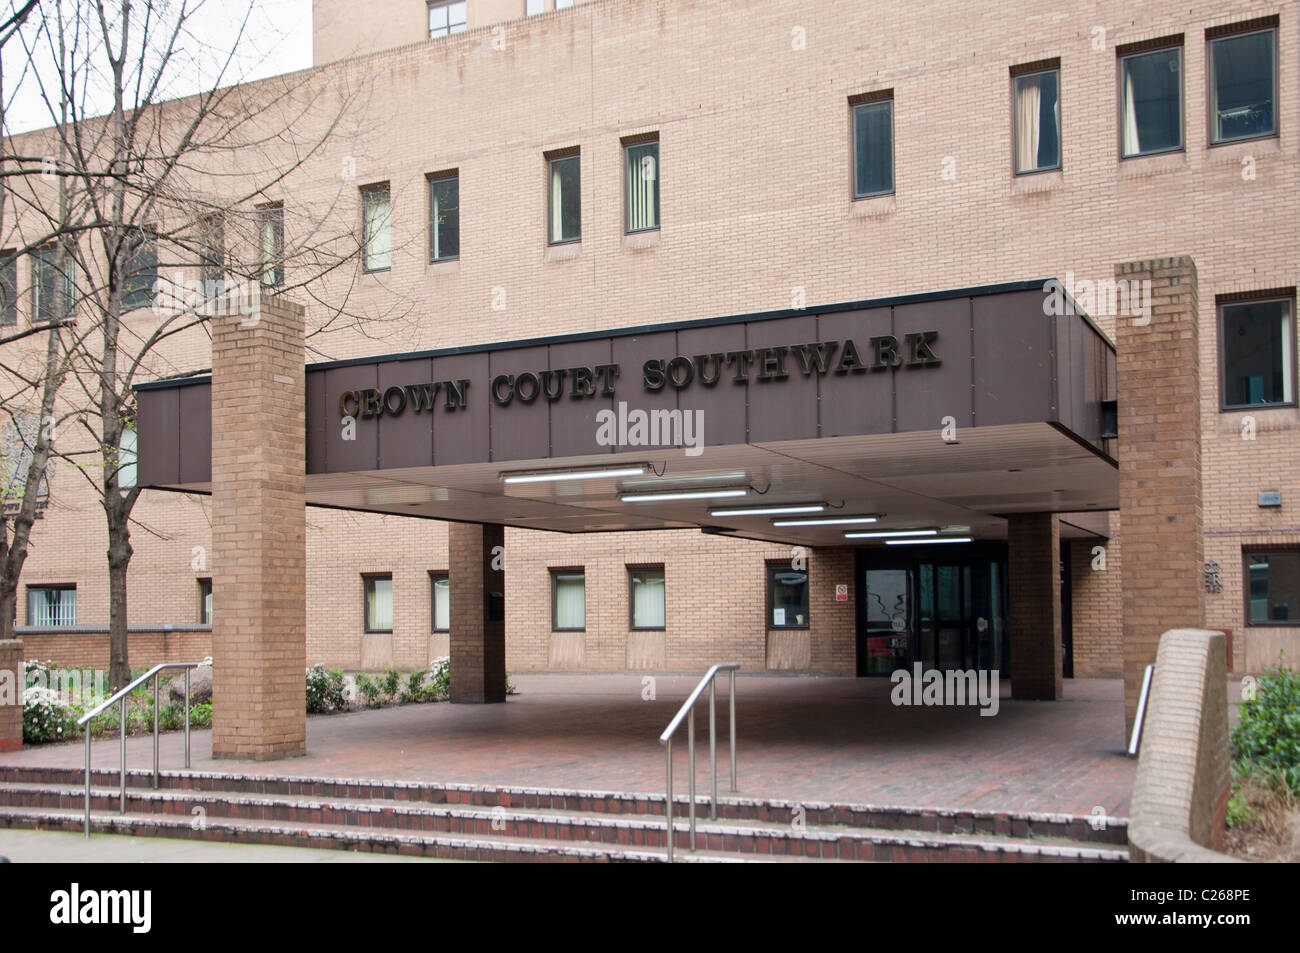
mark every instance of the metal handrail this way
{"type": "Point", "coordinates": [687, 711]}
{"type": "Point", "coordinates": [1135, 740]}
{"type": "Point", "coordinates": [119, 698]}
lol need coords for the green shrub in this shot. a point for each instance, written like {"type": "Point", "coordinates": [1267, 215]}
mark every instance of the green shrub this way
{"type": "Point", "coordinates": [440, 678]}
{"type": "Point", "coordinates": [370, 690]}
{"type": "Point", "coordinates": [201, 715]}
{"type": "Point", "coordinates": [46, 717]}
{"type": "Point", "coordinates": [415, 690]}
{"type": "Point", "coordinates": [391, 681]}
{"type": "Point", "coordinates": [325, 690]}
{"type": "Point", "coordinates": [1267, 738]}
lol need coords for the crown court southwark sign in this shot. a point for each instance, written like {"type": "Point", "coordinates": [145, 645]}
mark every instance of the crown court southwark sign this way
{"type": "Point", "coordinates": [885, 352]}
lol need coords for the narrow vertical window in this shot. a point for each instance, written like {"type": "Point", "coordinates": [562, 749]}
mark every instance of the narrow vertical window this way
{"type": "Point", "coordinates": [128, 457]}
{"type": "Point", "coordinates": [270, 239]}
{"type": "Point", "coordinates": [787, 597]}
{"type": "Point", "coordinates": [379, 603]}
{"type": "Point", "coordinates": [8, 289]}
{"type": "Point", "coordinates": [54, 283]}
{"type": "Point", "coordinates": [440, 600]}
{"type": "Point", "coordinates": [642, 164]}
{"type": "Point", "coordinates": [212, 255]}
{"type": "Point", "coordinates": [568, 599]}
{"type": "Point", "coordinates": [444, 216]}
{"type": "Point", "coordinates": [140, 271]}
{"type": "Point", "coordinates": [1243, 86]}
{"type": "Point", "coordinates": [205, 602]}
{"type": "Point", "coordinates": [1151, 108]}
{"type": "Point", "coordinates": [446, 18]}
{"type": "Point", "coordinates": [873, 146]}
{"type": "Point", "coordinates": [1038, 121]}
{"type": "Point", "coordinates": [376, 237]}
{"type": "Point", "coordinates": [565, 199]}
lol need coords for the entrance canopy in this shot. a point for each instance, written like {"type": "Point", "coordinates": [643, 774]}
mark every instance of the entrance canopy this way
{"type": "Point", "coordinates": [943, 411]}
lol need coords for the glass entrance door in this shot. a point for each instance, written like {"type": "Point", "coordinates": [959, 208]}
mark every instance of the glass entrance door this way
{"type": "Point", "coordinates": [942, 609]}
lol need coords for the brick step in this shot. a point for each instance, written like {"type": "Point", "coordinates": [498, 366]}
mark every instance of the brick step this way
{"type": "Point", "coordinates": [1006, 824]}
{"type": "Point", "coordinates": [335, 837]}
{"type": "Point", "coordinates": [748, 838]}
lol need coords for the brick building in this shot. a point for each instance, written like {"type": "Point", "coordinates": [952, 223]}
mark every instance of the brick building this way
{"type": "Point", "coordinates": [528, 179]}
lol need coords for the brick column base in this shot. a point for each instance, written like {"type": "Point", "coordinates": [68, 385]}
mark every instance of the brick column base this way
{"type": "Point", "coordinates": [11, 694]}
{"type": "Point", "coordinates": [259, 534]}
{"type": "Point", "coordinates": [1159, 389]}
{"type": "Point", "coordinates": [1034, 616]}
{"type": "Point", "coordinates": [478, 627]}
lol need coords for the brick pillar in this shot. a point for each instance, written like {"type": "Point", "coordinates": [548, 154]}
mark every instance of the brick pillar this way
{"type": "Point", "coordinates": [478, 634]}
{"type": "Point", "coordinates": [11, 694]}
{"type": "Point", "coordinates": [1034, 609]}
{"type": "Point", "coordinates": [1159, 393]}
{"type": "Point", "coordinates": [259, 539]}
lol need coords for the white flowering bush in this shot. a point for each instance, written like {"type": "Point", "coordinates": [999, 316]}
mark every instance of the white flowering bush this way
{"type": "Point", "coordinates": [46, 716]}
{"type": "Point", "coordinates": [325, 690]}
{"type": "Point", "coordinates": [440, 677]}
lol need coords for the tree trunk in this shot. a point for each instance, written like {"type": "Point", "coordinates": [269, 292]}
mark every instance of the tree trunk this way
{"type": "Point", "coordinates": [119, 558]}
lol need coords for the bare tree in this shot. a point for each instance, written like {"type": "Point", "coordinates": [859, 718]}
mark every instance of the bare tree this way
{"type": "Point", "coordinates": [152, 190]}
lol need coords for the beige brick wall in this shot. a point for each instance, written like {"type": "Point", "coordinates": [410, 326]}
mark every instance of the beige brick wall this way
{"type": "Point", "coordinates": [756, 203]}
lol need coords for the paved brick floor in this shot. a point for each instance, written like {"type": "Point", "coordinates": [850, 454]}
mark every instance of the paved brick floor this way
{"type": "Point", "coordinates": [836, 739]}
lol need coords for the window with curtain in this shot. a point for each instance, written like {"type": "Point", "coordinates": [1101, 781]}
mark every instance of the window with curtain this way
{"type": "Point", "coordinates": [140, 272]}
{"type": "Point", "coordinates": [205, 602]}
{"type": "Point", "coordinates": [1038, 121]}
{"type": "Point", "coordinates": [873, 148]}
{"type": "Point", "coordinates": [446, 18]}
{"type": "Point", "coordinates": [376, 238]}
{"type": "Point", "coordinates": [8, 289]}
{"type": "Point", "coordinates": [1151, 109]}
{"type": "Point", "coordinates": [379, 603]}
{"type": "Point", "coordinates": [1243, 86]}
{"type": "Point", "coordinates": [444, 216]}
{"type": "Point", "coordinates": [787, 597]}
{"type": "Point", "coordinates": [568, 599]}
{"type": "Point", "coordinates": [1257, 347]}
{"type": "Point", "coordinates": [642, 164]}
{"type": "Point", "coordinates": [52, 605]}
{"type": "Point", "coordinates": [565, 199]}
{"type": "Point", "coordinates": [54, 283]}
{"type": "Point", "coordinates": [648, 605]}
{"type": "Point", "coordinates": [270, 240]}
{"type": "Point", "coordinates": [440, 600]}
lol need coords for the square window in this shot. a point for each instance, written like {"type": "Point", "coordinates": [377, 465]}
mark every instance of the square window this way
{"type": "Point", "coordinates": [1151, 110]}
{"type": "Point", "coordinates": [440, 601]}
{"type": "Point", "coordinates": [444, 216]}
{"type": "Point", "coordinates": [565, 199]}
{"type": "Point", "coordinates": [52, 605]}
{"type": "Point", "coordinates": [446, 18]}
{"type": "Point", "coordinates": [379, 603]}
{"type": "Point", "coordinates": [648, 604]}
{"type": "Point", "coordinates": [568, 600]}
{"type": "Point", "coordinates": [873, 148]}
{"type": "Point", "coordinates": [1257, 346]}
{"type": "Point", "coordinates": [1038, 121]}
{"type": "Point", "coordinates": [376, 238]}
{"type": "Point", "coordinates": [270, 242]}
{"type": "Point", "coordinates": [1272, 587]}
{"type": "Point", "coordinates": [205, 602]}
{"type": "Point", "coordinates": [787, 597]}
{"type": "Point", "coordinates": [1243, 86]}
{"type": "Point", "coordinates": [642, 166]}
